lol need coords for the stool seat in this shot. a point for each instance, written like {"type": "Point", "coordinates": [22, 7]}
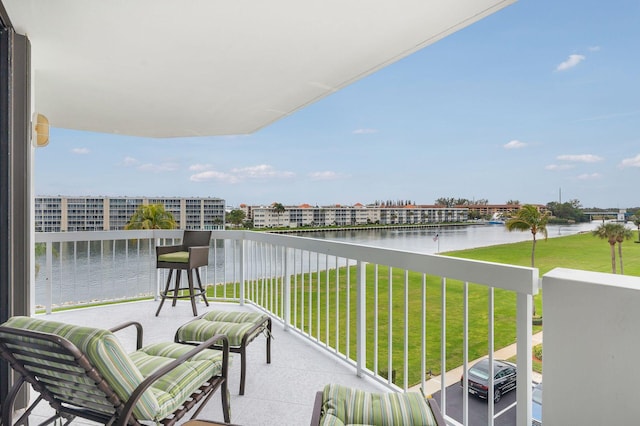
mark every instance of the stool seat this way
{"type": "Point", "coordinates": [240, 328]}
{"type": "Point", "coordinates": [177, 256]}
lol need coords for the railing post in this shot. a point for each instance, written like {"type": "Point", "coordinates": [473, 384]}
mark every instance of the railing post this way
{"type": "Point", "coordinates": [286, 296]}
{"type": "Point", "coordinates": [443, 345]}
{"type": "Point", "coordinates": [49, 258]}
{"type": "Point", "coordinates": [361, 320]}
{"type": "Point", "coordinates": [242, 270]}
{"type": "Point", "coordinates": [524, 334]}
{"type": "Point", "coordinates": [491, 349]}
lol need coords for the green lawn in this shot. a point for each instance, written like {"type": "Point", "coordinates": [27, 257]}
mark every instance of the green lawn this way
{"type": "Point", "coordinates": [582, 251]}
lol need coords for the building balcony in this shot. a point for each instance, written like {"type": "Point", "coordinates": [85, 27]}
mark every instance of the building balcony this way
{"type": "Point", "coordinates": [346, 313]}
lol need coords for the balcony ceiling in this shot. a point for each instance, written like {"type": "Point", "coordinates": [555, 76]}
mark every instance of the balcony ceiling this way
{"type": "Point", "coordinates": [168, 68]}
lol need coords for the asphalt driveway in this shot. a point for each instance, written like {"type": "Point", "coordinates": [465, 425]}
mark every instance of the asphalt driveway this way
{"type": "Point", "coordinates": [505, 409]}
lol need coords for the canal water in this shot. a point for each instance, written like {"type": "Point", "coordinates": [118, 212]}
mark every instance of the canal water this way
{"type": "Point", "coordinates": [84, 273]}
{"type": "Point", "coordinates": [446, 238]}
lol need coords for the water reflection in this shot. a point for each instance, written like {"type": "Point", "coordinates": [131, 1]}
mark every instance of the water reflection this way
{"type": "Point", "coordinates": [449, 238]}
{"type": "Point", "coordinates": [82, 272]}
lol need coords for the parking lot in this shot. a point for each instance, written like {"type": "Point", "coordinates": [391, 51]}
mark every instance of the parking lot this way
{"type": "Point", "coordinates": [505, 409]}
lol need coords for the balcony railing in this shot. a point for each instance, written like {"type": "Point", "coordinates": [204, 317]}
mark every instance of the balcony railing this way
{"type": "Point", "coordinates": [393, 315]}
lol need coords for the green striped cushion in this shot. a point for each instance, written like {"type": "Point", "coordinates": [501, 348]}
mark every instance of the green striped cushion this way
{"type": "Point", "coordinates": [233, 324]}
{"type": "Point", "coordinates": [175, 257]}
{"type": "Point", "coordinates": [343, 405]}
{"type": "Point", "coordinates": [103, 351]}
{"type": "Point", "coordinates": [174, 388]}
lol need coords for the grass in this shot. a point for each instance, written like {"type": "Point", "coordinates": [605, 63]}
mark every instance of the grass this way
{"type": "Point", "coordinates": [582, 251]}
{"type": "Point", "coordinates": [536, 362]}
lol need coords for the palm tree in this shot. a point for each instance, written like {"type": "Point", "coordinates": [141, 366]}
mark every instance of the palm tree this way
{"type": "Point", "coordinates": [623, 234]}
{"type": "Point", "coordinates": [609, 231]}
{"type": "Point", "coordinates": [279, 209]}
{"type": "Point", "coordinates": [529, 218]}
{"type": "Point", "coordinates": [152, 216]}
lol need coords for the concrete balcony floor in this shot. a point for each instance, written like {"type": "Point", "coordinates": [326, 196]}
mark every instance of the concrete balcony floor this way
{"type": "Point", "coordinates": [280, 393]}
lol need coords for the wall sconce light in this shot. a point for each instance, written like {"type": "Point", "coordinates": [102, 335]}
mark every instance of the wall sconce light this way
{"type": "Point", "coordinates": [40, 130]}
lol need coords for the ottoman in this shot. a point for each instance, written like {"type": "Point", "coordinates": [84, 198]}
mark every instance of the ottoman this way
{"type": "Point", "coordinates": [342, 405]}
{"type": "Point", "coordinates": [241, 328]}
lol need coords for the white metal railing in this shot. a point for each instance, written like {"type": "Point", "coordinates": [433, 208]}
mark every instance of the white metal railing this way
{"type": "Point", "coordinates": [77, 268]}
{"type": "Point", "coordinates": [362, 304]}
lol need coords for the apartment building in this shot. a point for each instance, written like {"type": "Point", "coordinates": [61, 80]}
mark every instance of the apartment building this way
{"type": "Point", "coordinates": [56, 214]}
{"type": "Point", "coordinates": [358, 214]}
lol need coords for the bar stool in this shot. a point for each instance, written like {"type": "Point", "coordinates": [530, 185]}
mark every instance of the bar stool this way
{"type": "Point", "coordinates": [189, 256]}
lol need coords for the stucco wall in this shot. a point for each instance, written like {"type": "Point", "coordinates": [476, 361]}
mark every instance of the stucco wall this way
{"type": "Point", "coordinates": [591, 348]}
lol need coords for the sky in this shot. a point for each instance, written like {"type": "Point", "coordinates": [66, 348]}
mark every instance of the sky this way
{"type": "Point", "coordinates": [539, 102]}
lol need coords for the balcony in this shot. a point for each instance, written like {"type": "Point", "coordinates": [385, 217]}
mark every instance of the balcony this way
{"type": "Point", "coordinates": [332, 305]}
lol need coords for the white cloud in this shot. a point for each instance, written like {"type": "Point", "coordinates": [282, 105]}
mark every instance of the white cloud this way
{"type": "Point", "coordinates": [326, 175]}
{"type": "Point", "coordinates": [236, 175]}
{"type": "Point", "coordinates": [81, 151]}
{"type": "Point", "coordinates": [594, 48]}
{"type": "Point", "coordinates": [364, 131]}
{"type": "Point", "coordinates": [571, 62]}
{"type": "Point", "coordinates": [129, 161]}
{"type": "Point", "coordinates": [631, 162]}
{"type": "Point", "coordinates": [158, 168]}
{"type": "Point", "coordinates": [609, 116]}
{"type": "Point", "coordinates": [556, 167]}
{"type": "Point", "coordinates": [589, 176]}
{"type": "Point", "coordinates": [199, 167]}
{"type": "Point", "coordinates": [514, 144]}
{"type": "Point", "coordinates": [213, 175]}
{"type": "Point", "coordinates": [581, 158]}
{"type": "Point", "coordinates": [260, 171]}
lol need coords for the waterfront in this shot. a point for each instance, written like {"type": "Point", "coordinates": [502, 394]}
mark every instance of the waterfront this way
{"type": "Point", "coordinates": [108, 270]}
{"type": "Point", "coordinates": [450, 238]}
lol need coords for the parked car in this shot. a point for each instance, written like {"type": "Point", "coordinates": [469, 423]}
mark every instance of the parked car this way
{"type": "Point", "coordinates": [536, 406]}
{"type": "Point", "coordinates": [504, 379]}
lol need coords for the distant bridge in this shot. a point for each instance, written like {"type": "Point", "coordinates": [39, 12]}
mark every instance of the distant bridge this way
{"type": "Point", "coordinates": [620, 215]}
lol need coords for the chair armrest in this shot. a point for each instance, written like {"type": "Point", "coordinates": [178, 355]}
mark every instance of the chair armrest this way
{"type": "Point", "coordinates": [435, 409]}
{"type": "Point", "coordinates": [317, 409]}
{"type": "Point", "coordinates": [138, 327]}
{"type": "Point", "coordinates": [168, 249]}
{"type": "Point", "coordinates": [198, 256]}
{"type": "Point", "coordinates": [146, 383]}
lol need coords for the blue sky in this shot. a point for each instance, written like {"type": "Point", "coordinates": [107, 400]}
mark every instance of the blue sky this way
{"type": "Point", "coordinates": [542, 97]}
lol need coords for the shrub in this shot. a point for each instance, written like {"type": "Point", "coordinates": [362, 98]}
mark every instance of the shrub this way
{"type": "Point", "coordinates": [537, 351]}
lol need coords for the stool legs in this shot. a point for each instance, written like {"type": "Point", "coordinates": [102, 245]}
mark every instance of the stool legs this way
{"type": "Point", "coordinates": [193, 299]}
{"type": "Point", "coordinates": [203, 293]}
{"type": "Point", "coordinates": [269, 341]}
{"type": "Point", "coordinates": [165, 292]}
{"type": "Point", "coordinates": [176, 290]}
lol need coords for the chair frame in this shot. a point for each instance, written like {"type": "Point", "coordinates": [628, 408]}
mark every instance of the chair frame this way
{"type": "Point", "coordinates": [198, 256]}
{"type": "Point", "coordinates": [317, 410]}
{"type": "Point", "coordinates": [122, 411]}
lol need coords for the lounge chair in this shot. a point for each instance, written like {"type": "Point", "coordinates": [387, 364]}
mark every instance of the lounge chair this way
{"type": "Point", "coordinates": [84, 372]}
{"type": "Point", "coordinates": [342, 405]}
